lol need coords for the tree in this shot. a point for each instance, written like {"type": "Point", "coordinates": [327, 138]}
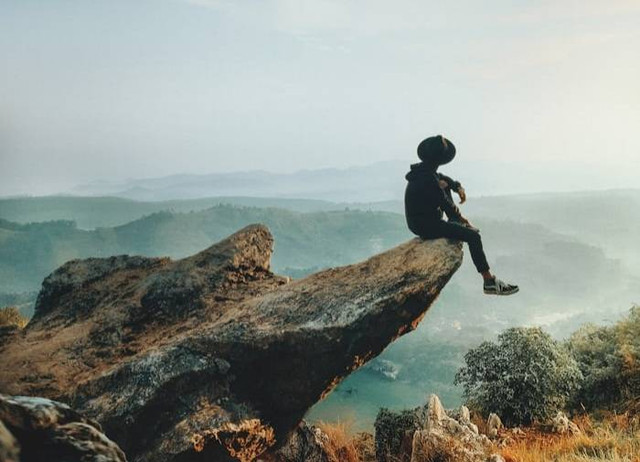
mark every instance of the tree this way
{"type": "Point", "coordinates": [609, 358]}
{"type": "Point", "coordinates": [526, 376]}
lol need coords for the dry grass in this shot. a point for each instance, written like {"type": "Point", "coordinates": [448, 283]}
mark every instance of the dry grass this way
{"type": "Point", "coordinates": [10, 316]}
{"type": "Point", "coordinates": [615, 439]}
{"type": "Point", "coordinates": [612, 438]}
{"type": "Point", "coordinates": [344, 446]}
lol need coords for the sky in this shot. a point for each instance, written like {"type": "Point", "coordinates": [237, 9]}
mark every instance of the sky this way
{"type": "Point", "coordinates": [108, 90]}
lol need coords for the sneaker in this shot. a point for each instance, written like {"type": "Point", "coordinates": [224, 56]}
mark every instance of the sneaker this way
{"type": "Point", "coordinates": [498, 287]}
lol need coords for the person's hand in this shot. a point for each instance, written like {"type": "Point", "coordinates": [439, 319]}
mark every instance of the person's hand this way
{"type": "Point", "coordinates": [443, 184]}
{"type": "Point", "coordinates": [463, 195]}
{"type": "Point", "coordinates": [468, 224]}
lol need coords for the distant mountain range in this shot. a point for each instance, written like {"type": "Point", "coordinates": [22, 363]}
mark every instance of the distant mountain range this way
{"type": "Point", "coordinates": [375, 182]}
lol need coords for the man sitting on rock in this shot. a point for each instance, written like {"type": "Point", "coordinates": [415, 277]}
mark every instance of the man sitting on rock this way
{"type": "Point", "coordinates": [428, 195]}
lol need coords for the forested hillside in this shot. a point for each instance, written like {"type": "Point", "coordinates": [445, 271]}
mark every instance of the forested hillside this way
{"type": "Point", "coordinates": [29, 252]}
{"type": "Point", "coordinates": [566, 270]}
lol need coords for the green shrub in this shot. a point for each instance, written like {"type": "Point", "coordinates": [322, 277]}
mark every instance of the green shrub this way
{"type": "Point", "coordinates": [609, 359]}
{"type": "Point", "coordinates": [628, 334]}
{"type": "Point", "coordinates": [526, 376]}
{"type": "Point", "coordinates": [392, 428]}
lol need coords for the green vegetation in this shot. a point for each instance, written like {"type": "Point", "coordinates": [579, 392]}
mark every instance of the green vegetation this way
{"type": "Point", "coordinates": [525, 376]}
{"type": "Point", "coordinates": [101, 212]}
{"type": "Point", "coordinates": [29, 252]}
{"type": "Point", "coordinates": [566, 279]}
{"type": "Point", "coordinates": [390, 429]}
{"type": "Point", "coordinates": [609, 358]}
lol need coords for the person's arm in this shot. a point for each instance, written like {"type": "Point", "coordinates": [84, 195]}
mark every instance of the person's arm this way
{"type": "Point", "coordinates": [445, 203]}
{"type": "Point", "coordinates": [453, 184]}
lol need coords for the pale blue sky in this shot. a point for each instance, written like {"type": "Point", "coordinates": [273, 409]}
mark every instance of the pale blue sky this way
{"type": "Point", "coordinates": [106, 89]}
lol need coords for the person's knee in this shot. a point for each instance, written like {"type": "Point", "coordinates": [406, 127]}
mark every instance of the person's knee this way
{"type": "Point", "coordinates": [474, 238]}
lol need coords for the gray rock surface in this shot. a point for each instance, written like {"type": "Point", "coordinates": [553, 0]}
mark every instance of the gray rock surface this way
{"type": "Point", "coordinates": [494, 424]}
{"type": "Point", "coordinates": [43, 430]}
{"type": "Point", "coordinates": [9, 447]}
{"type": "Point", "coordinates": [446, 439]}
{"type": "Point", "coordinates": [561, 424]}
{"type": "Point", "coordinates": [307, 443]}
{"type": "Point", "coordinates": [198, 358]}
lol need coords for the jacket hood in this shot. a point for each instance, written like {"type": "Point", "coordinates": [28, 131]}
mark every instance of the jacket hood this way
{"type": "Point", "coordinates": [420, 169]}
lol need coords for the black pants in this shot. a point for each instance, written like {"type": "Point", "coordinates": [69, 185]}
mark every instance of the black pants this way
{"type": "Point", "coordinates": [429, 228]}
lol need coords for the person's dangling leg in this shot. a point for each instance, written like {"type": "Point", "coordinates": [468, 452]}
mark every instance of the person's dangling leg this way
{"type": "Point", "coordinates": [462, 233]}
{"type": "Point", "coordinates": [492, 285]}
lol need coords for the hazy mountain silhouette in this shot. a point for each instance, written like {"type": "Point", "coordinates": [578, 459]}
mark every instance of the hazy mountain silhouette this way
{"type": "Point", "coordinates": [374, 182]}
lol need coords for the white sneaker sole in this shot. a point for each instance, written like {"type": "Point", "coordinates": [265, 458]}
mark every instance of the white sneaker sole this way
{"type": "Point", "coordinates": [511, 292]}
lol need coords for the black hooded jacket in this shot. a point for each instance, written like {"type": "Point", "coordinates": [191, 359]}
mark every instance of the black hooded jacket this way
{"type": "Point", "coordinates": [424, 199]}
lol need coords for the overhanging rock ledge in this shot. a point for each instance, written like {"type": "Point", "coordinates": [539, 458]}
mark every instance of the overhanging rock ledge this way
{"type": "Point", "coordinates": [214, 356]}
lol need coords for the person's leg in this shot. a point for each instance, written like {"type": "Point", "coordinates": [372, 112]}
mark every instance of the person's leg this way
{"type": "Point", "coordinates": [468, 235]}
{"type": "Point", "coordinates": [492, 285]}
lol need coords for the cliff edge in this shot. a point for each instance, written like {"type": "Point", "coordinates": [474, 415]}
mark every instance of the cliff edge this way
{"type": "Point", "coordinates": [214, 357]}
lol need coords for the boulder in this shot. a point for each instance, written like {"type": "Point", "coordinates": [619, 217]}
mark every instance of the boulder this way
{"type": "Point", "coordinates": [310, 443]}
{"type": "Point", "coordinates": [446, 439]}
{"type": "Point", "coordinates": [196, 359]}
{"type": "Point", "coordinates": [561, 424]}
{"type": "Point", "coordinates": [43, 430]}
{"type": "Point", "coordinates": [494, 424]}
{"type": "Point", "coordinates": [465, 418]}
{"type": "Point", "coordinates": [307, 443]}
{"type": "Point", "coordinates": [9, 448]}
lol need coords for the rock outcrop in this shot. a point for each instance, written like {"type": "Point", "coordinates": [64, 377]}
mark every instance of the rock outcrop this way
{"type": "Point", "coordinates": [213, 356]}
{"type": "Point", "coordinates": [446, 439]}
{"type": "Point", "coordinates": [39, 430]}
{"type": "Point", "coordinates": [430, 433]}
{"type": "Point", "coordinates": [494, 424]}
{"type": "Point", "coordinates": [9, 447]}
{"type": "Point", "coordinates": [561, 424]}
{"type": "Point", "coordinates": [307, 443]}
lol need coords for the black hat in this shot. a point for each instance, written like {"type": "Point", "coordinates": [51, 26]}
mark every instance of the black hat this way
{"type": "Point", "coordinates": [436, 150]}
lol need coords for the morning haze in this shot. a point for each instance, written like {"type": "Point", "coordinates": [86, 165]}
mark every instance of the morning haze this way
{"type": "Point", "coordinates": [110, 90]}
{"type": "Point", "coordinates": [208, 227]}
